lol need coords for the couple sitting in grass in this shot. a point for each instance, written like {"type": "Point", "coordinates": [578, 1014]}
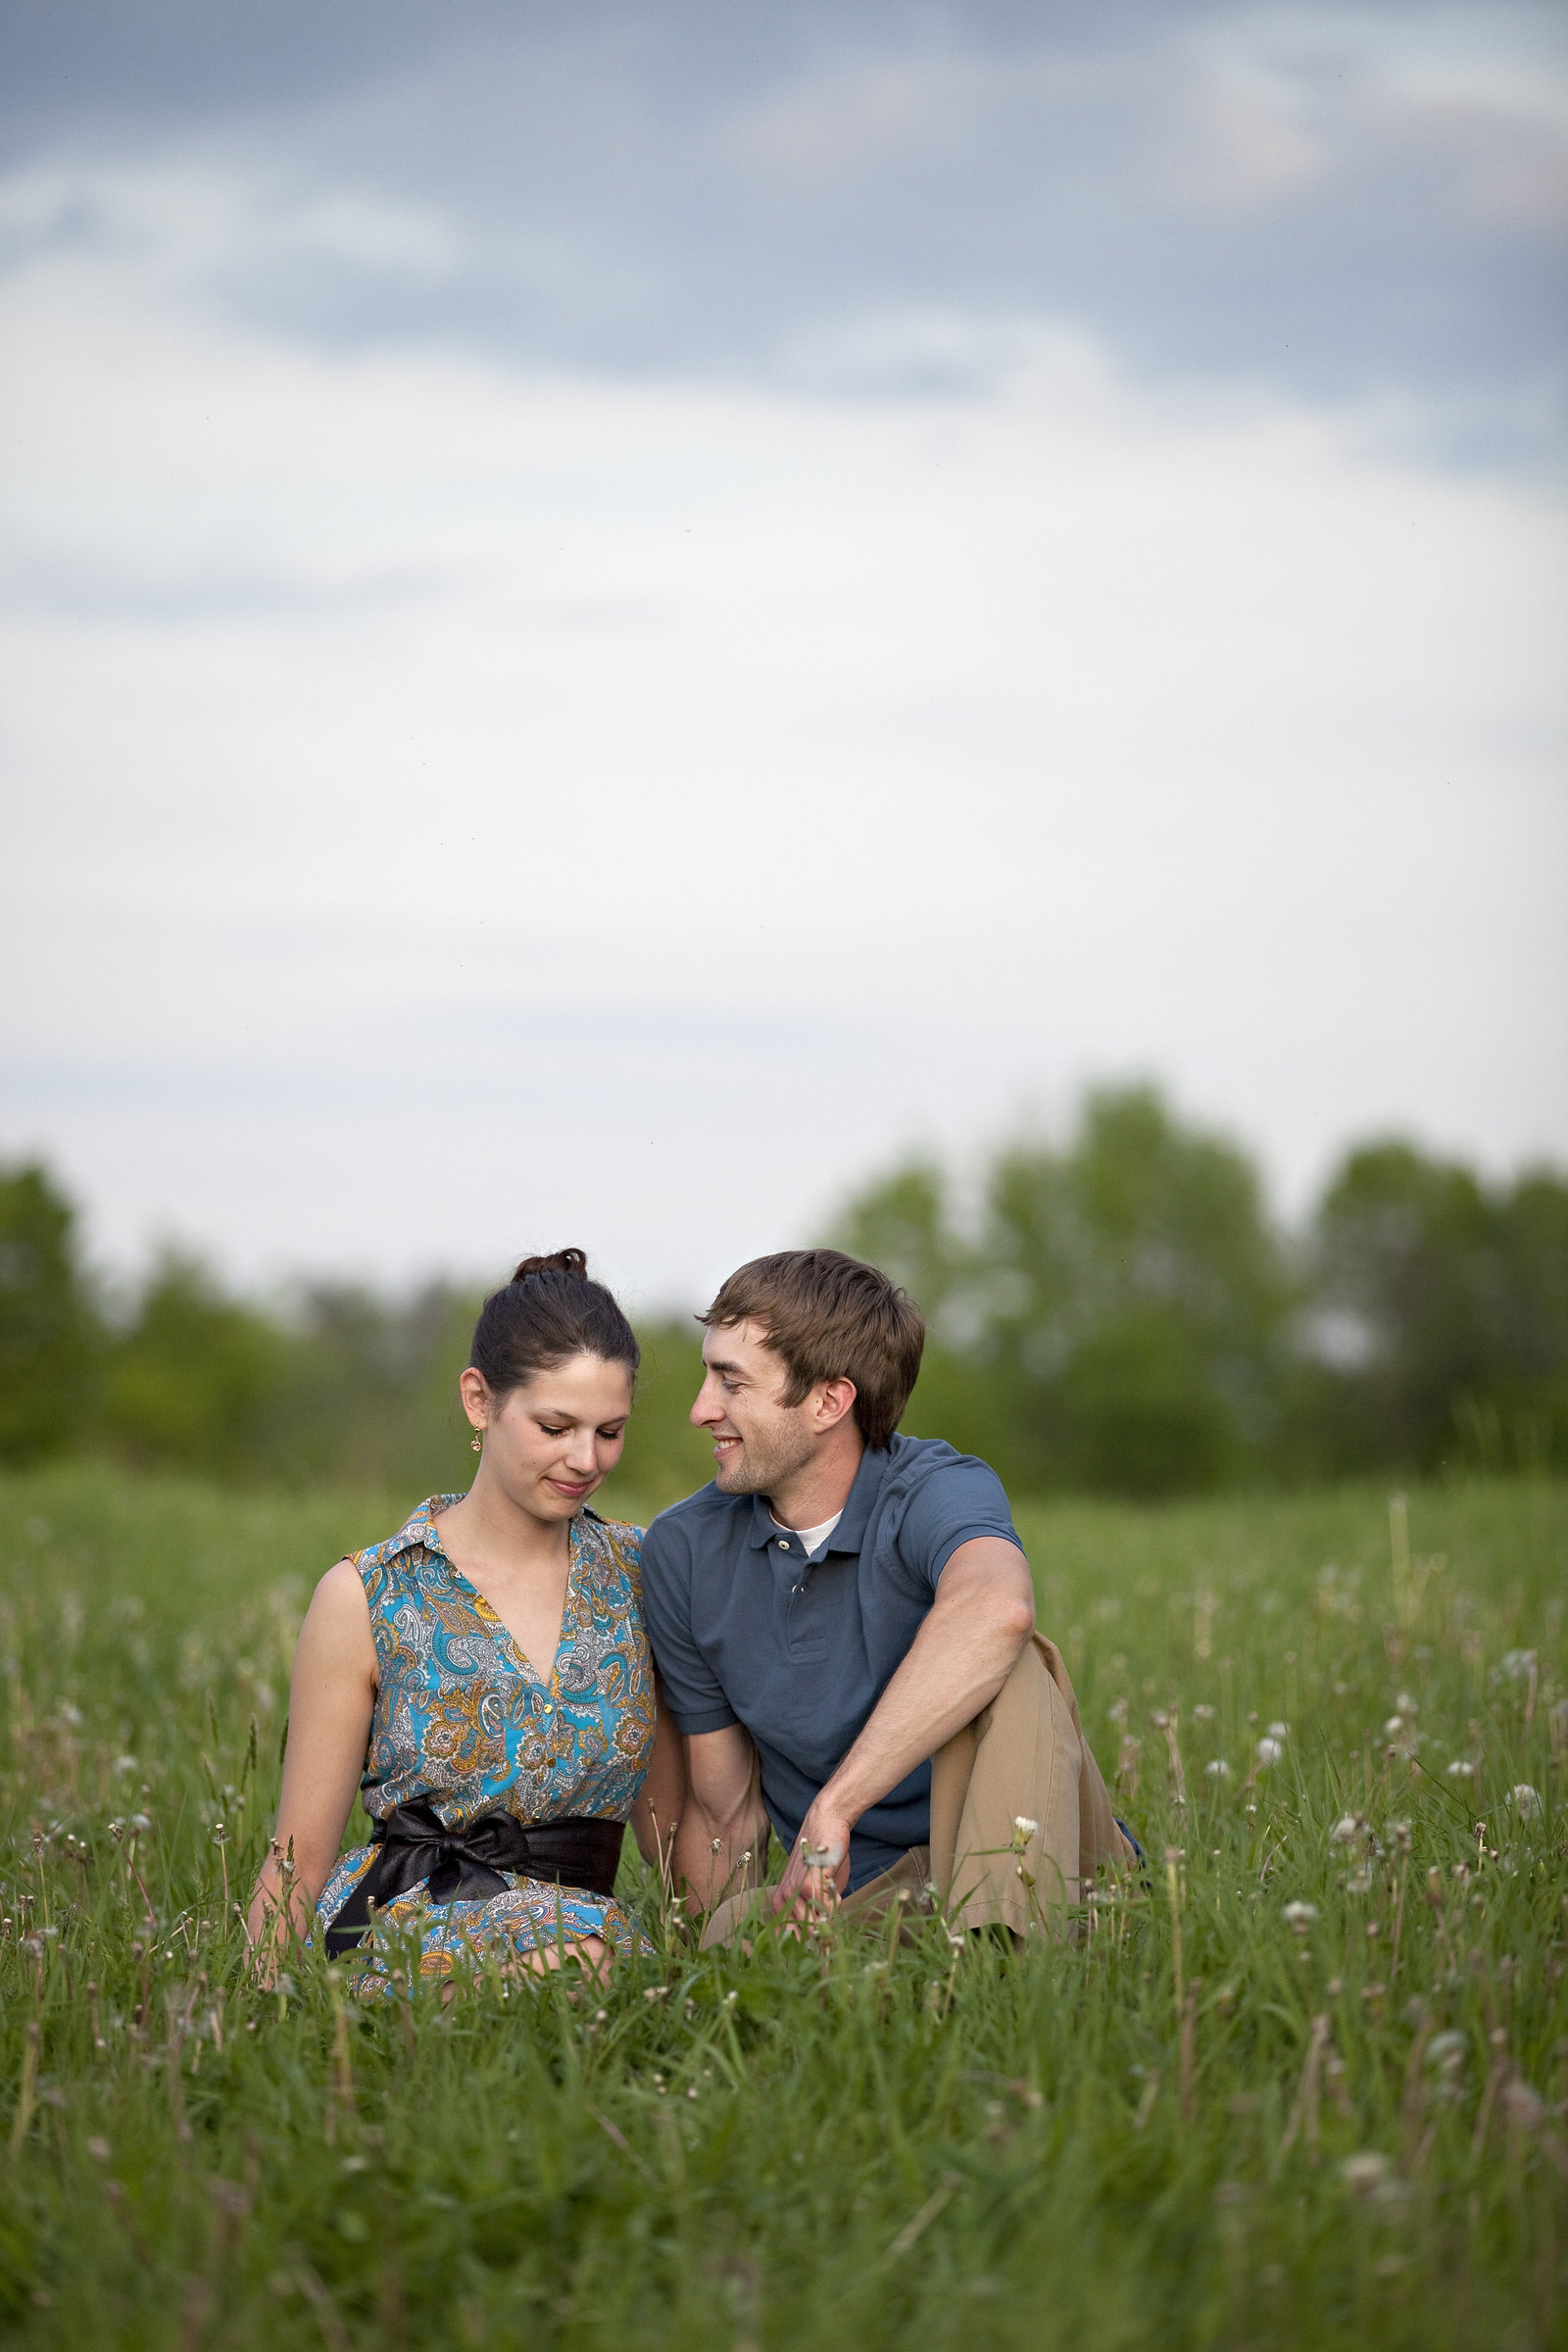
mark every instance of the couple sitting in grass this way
{"type": "Point", "coordinates": [834, 1641]}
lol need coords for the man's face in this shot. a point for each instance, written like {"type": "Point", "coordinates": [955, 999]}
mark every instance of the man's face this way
{"type": "Point", "coordinates": [759, 1440]}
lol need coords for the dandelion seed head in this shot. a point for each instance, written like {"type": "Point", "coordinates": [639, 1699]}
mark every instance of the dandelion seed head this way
{"type": "Point", "coordinates": [1218, 1768]}
{"type": "Point", "coordinates": [1524, 2106]}
{"type": "Point", "coordinates": [1364, 2174]}
{"type": "Point", "coordinates": [1300, 1916]}
{"type": "Point", "coordinates": [1279, 1731]}
{"type": "Point", "coordinates": [1269, 1750]}
{"type": "Point", "coordinates": [1025, 1826]}
{"type": "Point", "coordinates": [1460, 1770]}
{"type": "Point", "coordinates": [1346, 1830]}
{"type": "Point", "coordinates": [1527, 1800]}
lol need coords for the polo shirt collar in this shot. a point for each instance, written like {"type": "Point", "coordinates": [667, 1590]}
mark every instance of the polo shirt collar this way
{"type": "Point", "coordinates": [859, 1504]}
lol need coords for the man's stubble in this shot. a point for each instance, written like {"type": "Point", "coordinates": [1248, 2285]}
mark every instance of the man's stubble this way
{"type": "Point", "coordinates": [766, 1461]}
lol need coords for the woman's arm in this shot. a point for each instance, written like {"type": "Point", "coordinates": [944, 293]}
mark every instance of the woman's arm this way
{"type": "Point", "coordinates": [330, 1700]}
{"type": "Point", "coordinates": [662, 1798]}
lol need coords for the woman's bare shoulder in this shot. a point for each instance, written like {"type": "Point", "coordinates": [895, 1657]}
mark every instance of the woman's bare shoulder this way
{"type": "Point", "coordinates": [340, 1607]}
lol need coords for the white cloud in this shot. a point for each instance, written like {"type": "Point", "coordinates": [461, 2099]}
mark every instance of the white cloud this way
{"type": "Point", "coordinates": [455, 805]}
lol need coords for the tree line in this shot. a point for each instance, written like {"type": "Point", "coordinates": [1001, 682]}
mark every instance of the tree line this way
{"type": "Point", "coordinates": [1118, 1313]}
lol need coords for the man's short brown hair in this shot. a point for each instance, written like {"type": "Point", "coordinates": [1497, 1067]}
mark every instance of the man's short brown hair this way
{"type": "Point", "coordinates": [831, 1318]}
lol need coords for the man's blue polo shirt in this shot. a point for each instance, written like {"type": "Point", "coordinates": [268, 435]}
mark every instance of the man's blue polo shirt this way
{"type": "Point", "coordinates": [746, 1630]}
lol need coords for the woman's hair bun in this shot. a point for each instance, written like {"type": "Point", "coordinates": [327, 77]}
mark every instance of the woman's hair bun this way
{"type": "Point", "coordinates": [550, 1312]}
{"type": "Point", "coordinates": [559, 1262]}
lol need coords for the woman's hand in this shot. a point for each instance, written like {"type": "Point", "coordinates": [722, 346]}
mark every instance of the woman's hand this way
{"type": "Point", "coordinates": [330, 1700]}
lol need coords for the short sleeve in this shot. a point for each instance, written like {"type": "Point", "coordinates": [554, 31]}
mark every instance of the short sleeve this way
{"type": "Point", "coordinates": [692, 1691]}
{"type": "Point", "coordinates": [957, 1500]}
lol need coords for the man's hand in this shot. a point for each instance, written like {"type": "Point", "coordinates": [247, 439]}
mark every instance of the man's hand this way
{"type": "Point", "coordinates": [819, 1869]}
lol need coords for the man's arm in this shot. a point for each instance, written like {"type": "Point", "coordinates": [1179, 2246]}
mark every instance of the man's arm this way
{"type": "Point", "coordinates": [983, 1614]}
{"type": "Point", "coordinates": [662, 1798]}
{"type": "Point", "coordinates": [722, 1836]}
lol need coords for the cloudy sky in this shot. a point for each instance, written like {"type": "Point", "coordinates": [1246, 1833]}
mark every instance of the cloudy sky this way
{"type": "Point", "coordinates": [611, 613]}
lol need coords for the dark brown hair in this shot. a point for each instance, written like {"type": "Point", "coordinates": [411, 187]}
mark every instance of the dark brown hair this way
{"type": "Point", "coordinates": [548, 1312]}
{"type": "Point", "coordinates": [831, 1318]}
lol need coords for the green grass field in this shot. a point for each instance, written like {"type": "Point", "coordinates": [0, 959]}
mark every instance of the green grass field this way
{"type": "Point", "coordinates": [1304, 2085]}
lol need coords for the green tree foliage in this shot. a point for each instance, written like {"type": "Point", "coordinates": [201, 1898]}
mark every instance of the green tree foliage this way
{"type": "Point", "coordinates": [47, 1326]}
{"type": "Point", "coordinates": [1116, 1314]}
{"type": "Point", "coordinates": [373, 1388]}
{"type": "Point", "coordinates": [666, 1457]}
{"type": "Point", "coordinates": [1446, 1302]}
{"type": "Point", "coordinates": [197, 1380]}
{"type": "Point", "coordinates": [1117, 1318]}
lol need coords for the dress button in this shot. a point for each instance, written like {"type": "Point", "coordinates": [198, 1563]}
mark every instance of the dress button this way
{"type": "Point", "coordinates": [548, 1710]}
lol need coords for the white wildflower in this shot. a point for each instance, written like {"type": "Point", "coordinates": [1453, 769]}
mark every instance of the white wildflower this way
{"type": "Point", "coordinates": [1527, 1800]}
{"type": "Point", "coordinates": [1393, 1726]}
{"type": "Point", "coordinates": [1517, 1663]}
{"type": "Point", "coordinates": [1459, 1770]}
{"type": "Point", "coordinates": [1026, 1828]}
{"type": "Point", "coordinates": [1270, 1749]}
{"type": "Point", "coordinates": [1300, 1916]}
{"type": "Point", "coordinates": [1218, 1769]}
{"type": "Point", "coordinates": [1364, 2174]}
{"type": "Point", "coordinates": [1346, 1830]}
{"type": "Point", "coordinates": [1279, 1731]}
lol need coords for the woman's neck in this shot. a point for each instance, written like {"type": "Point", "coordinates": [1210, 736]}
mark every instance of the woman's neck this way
{"type": "Point", "coordinates": [488, 1526]}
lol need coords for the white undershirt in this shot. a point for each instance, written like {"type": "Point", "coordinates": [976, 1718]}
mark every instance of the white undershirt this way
{"type": "Point", "coordinates": [812, 1537]}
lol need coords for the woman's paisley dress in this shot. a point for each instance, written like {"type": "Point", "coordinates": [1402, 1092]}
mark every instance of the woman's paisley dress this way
{"type": "Point", "coordinates": [462, 1720]}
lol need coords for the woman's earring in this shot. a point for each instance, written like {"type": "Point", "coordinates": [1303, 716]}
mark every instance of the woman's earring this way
{"type": "Point", "coordinates": [478, 1443]}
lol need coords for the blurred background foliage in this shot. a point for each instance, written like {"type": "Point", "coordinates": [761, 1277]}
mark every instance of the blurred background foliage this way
{"type": "Point", "coordinates": [1120, 1314]}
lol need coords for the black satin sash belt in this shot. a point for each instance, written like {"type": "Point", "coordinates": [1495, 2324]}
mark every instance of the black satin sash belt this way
{"type": "Point", "coordinates": [413, 1844]}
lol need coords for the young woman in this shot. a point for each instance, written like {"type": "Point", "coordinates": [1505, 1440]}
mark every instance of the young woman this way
{"type": "Point", "coordinates": [483, 1678]}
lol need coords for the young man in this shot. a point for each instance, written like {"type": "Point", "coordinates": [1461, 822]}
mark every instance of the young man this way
{"type": "Point", "coordinates": [844, 1624]}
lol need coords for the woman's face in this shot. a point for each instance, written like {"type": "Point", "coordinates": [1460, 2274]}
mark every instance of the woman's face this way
{"type": "Point", "coordinates": [550, 1446]}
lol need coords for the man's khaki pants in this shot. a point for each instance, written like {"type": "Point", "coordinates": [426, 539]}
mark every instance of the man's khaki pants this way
{"type": "Point", "coordinates": [1023, 1757]}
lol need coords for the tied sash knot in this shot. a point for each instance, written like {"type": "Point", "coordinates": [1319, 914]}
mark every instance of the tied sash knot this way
{"type": "Point", "coordinates": [415, 1846]}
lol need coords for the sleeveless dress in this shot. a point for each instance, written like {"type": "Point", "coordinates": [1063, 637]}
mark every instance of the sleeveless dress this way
{"type": "Point", "coordinates": [462, 1720]}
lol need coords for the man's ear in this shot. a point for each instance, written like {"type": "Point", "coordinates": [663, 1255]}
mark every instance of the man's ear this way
{"type": "Point", "coordinates": [834, 1400]}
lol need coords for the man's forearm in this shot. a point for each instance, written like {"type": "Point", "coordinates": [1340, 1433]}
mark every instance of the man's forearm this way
{"type": "Point", "coordinates": [719, 1851]}
{"type": "Point", "coordinates": [956, 1664]}
{"type": "Point", "coordinates": [713, 1859]}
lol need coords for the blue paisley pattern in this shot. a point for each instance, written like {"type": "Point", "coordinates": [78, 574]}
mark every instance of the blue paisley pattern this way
{"type": "Point", "coordinates": [462, 1720]}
